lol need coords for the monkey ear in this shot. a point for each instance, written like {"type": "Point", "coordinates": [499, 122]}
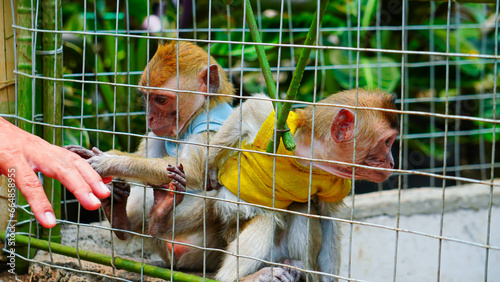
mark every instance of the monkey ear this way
{"type": "Point", "coordinates": [343, 126]}
{"type": "Point", "coordinates": [213, 72]}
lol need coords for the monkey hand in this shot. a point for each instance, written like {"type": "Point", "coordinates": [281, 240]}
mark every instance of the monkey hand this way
{"type": "Point", "coordinates": [83, 152]}
{"type": "Point", "coordinates": [165, 200]}
{"type": "Point", "coordinates": [278, 273]}
{"type": "Point", "coordinates": [118, 218]}
{"type": "Point", "coordinates": [87, 154]}
{"type": "Point", "coordinates": [178, 177]}
{"type": "Point", "coordinates": [107, 165]}
{"type": "Point", "coordinates": [213, 179]}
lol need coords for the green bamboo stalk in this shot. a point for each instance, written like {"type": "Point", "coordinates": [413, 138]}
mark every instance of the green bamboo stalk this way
{"type": "Point", "coordinates": [109, 91]}
{"type": "Point", "coordinates": [261, 54]}
{"type": "Point", "coordinates": [264, 65]}
{"type": "Point", "coordinates": [295, 83]}
{"type": "Point", "coordinates": [52, 98]}
{"type": "Point", "coordinates": [108, 95]}
{"type": "Point", "coordinates": [24, 109]}
{"type": "Point", "coordinates": [118, 263]}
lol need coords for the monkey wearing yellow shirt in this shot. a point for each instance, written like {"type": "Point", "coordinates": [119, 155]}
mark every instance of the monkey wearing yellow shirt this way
{"type": "Point", "coordinates": [251, 175]}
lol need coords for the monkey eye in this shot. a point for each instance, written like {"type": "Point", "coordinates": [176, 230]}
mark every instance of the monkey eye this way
{"type": "Point", "coordinates": [388, 142]}
{"type": "Point", "coordinates": [160, 99]}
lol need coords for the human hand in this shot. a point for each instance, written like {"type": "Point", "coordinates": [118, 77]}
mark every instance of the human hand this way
{"type": "Point", "coordinates": [22, 154]}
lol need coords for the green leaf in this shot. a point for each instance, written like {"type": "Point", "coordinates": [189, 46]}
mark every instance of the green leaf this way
{"type": "Point", "coordinates": [373, 73]}
{"type": "Point", "coordinates": [368, 12]}
{"type": "Point", "coordinates": [72, 137]}
{"type": "Point", "coordinates": [465, 46]}
{"type": "Point", "coordinates": [75, 22]}
{"type": "Point", "coordinates": [221, 49]}
{"type": "Point", "coordinates": [138, 9]}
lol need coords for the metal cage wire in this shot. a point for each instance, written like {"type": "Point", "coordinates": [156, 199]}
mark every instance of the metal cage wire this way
{"type": "Point", "coordinates": [447, 132]}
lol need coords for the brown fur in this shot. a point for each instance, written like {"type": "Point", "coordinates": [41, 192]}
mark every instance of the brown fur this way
{"type": "Point", "coordinates": [192, 58]}
{"type": "Point", "coordinates": [373, 99]}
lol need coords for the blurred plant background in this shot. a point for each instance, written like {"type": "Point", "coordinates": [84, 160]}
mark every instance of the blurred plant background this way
{"type": "Point", "coordinates": [115, 51]}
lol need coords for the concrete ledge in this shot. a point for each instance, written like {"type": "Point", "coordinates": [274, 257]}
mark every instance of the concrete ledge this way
{"type": "Point", "coordinates": [423, 200]}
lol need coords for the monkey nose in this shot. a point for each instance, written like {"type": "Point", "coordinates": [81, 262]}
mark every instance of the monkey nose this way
{"type": "Point", "coordinates": [391, 165]}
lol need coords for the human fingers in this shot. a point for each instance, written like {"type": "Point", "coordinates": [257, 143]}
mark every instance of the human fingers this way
{"type": "Point", "coordinates": [73, 172]}
{"type": "Point", "coordinates": [107, 179]}
{"type": "Point", "coordinates": [92, 178]}
{"type": "Point", "coordinates": [28, 184]}
{"type": "Point", "coordinates": [64, 170]}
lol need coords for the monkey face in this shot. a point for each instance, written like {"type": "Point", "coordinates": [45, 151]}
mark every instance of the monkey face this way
{"type": "Point", "coordinates": [374, 140]}
{"type": "Point", "coordinates": [379, 156]}
{"type": "Point", "coordinates": [169, 111]}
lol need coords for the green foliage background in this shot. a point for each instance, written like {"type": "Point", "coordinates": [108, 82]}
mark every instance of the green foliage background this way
{"type": "Point", "coordinates": [118, 56]}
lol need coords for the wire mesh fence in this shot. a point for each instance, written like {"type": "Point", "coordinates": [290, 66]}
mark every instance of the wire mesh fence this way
{"type": "Point", "coordinates": [85, 76]}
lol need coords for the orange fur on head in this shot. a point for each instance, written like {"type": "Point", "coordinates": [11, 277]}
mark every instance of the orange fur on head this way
{"type": "Point", "coordinates": [192, 59]}
{"type": "Point", "coordinates": [373, 99]}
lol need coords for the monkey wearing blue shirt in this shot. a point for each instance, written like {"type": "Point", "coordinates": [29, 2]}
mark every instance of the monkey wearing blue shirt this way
{"type": "Point", "coordinates": [189, 115]}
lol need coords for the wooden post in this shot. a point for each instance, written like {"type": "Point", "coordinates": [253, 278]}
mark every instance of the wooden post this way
{"type": "Point", "coordinates": [7, 65]}
{"type": "Point", "coordinates": [7, 96]}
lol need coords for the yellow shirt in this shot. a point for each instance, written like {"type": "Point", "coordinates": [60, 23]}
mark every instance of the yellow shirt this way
{"type": "Point", "coordinates": [291, 178]}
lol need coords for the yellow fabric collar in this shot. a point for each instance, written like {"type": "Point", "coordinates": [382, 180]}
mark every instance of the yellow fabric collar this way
{"type": "Point", "coordinates": [291, 179]}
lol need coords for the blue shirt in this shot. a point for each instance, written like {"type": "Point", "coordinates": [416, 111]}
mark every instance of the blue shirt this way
{"type": "Point", "coordinates": [216, 117]}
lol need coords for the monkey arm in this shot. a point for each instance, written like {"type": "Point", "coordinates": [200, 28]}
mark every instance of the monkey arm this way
{"type": "Point", "coordinates": [120, 153]}
{"type": "Point", "coordinates": [125, 165]}
{"type": "Point", "coordinates": [150, 171]}
{"type": "Point", "coordinates": [87, 154]}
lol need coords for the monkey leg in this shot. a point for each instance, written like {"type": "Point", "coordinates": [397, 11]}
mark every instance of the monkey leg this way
{"type": "Point", "coordinates": [115, 208]}
{"type": "Point", "coordinates": [302, 239]}
{"type": "Point", "coordinates": [164, 201]}
{"type": "Point", "coordinates": [255, 240]}
{"type": "Point", "coordinates": [329, 257]}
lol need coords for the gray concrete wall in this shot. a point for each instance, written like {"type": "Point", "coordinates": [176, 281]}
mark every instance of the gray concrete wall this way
{"type": "Point", "coordinates": [379, 254]}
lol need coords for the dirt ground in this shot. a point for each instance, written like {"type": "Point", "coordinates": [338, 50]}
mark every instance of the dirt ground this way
{"type": "Point", "coordinates": [5, 276]}
{"type": "Point", "coordinates": [90, 238]}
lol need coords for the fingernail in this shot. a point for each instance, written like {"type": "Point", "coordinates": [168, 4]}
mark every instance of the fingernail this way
{"type": "Point", "coordinates": [94, 199]}
{"type": "Point", "coordinates": [107, 179]}
{"type": "Point", "coordinates": [51, 218]}
{"type": "Point", "coordinates": [103, 187]}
